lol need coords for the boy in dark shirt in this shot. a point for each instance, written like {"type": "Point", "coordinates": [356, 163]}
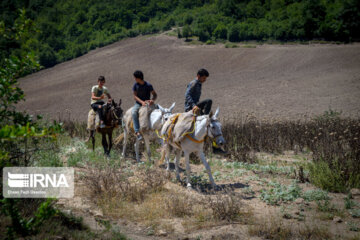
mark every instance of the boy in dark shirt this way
{"type": "Point", "coordinates": [192, 97]}
{"type": "Point", "coordinates": [142, 91]}
{"type": "Point", "coordinates": [193, 92]}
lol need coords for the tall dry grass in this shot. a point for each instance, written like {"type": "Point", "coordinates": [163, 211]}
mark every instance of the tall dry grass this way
{"type": "Point", "coordinates": [333, 141]}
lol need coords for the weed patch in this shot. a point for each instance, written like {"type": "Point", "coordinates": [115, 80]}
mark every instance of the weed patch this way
{"type": "Point", "coordinates": [279, 193]}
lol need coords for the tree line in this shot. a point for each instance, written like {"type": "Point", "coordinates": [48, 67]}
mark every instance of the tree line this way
{"type": "Point", "coordinates": [67, 29]}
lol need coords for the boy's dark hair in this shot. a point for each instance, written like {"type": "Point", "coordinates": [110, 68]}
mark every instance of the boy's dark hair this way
{"type": "Point", "coordinates": [139, 74]}
{"type": "Point", "coordinates": [203, 72]}
{"type": "Point", "coordinates": [101, 78]}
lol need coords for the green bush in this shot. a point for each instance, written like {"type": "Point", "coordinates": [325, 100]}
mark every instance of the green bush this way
{"type": "Point", "coordinates": [168, 24]}
{"type": "Point", "coordinates": [188, 19]}
{"type": "Point", "coordinates": [203, 34]}
{"type": "Point", "coordinates": [330, 179]}
{"type": "Point", "coordinates": [186, 32]}
{"type": "Point", "coordinates": [234, 33]}
{"type": "Point", "coordinates": [315, 195]}
{"type": "Point", "coordinates": [47, 56]}
{"type": "Point", "coordinates": [280, 193]}
{"type": "Point", "coordinates": [220, 32]}
{"type": "Point", "coordinates": [231, 45]}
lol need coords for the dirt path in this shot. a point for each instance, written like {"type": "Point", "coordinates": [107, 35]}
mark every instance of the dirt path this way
{"type": "Point", "coordinates": [269, 80]}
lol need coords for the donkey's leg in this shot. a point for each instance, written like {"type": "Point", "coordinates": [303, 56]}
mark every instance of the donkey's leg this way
{"type": "Point", "coordinates": [203, 159]}
{"type": "Point", "coordinates": [92, 136]}
{"type": "Point", "coordinates": [104, 142]}
{"type": "Point", "coordinates": [124, 142]}
{"type": "Point", "coordinates": [147, 145]}
{"type": "Point", "coordinates": [110, 140]}
{"type": "Point", "coordinates": [167, 156]}
{"type": "Point", "coordinates": [187, 155]}
{"type": "Point", "coordinates": [177, 159]}
{"type": "Point", "coordinates": [137, 144]}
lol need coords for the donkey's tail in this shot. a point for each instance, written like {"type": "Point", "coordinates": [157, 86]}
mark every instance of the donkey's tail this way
{"type": "Point", "coordinates": [119, 139]}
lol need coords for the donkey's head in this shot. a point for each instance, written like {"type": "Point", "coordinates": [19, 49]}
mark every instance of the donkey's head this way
{"type": "Point", "coordinates": [117, 112]}
{"type": "Point", "coordinates": [159, 116]}
{"type": "Point", "coordinates": [214, 130]}
{"type": "Point", "coordinates": [166, 112]}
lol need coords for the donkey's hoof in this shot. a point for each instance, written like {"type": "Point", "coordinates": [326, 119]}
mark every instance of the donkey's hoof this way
{"type": "Point", "coordinates": [189, 186]}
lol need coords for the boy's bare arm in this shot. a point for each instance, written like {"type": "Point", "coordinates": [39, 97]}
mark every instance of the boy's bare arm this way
{"type": "Point", "coordinates": [138, 99]}
{"type": "Point", "coordinates": [93, 97]}
{"type": "Point", "coordinates": [154, 95]}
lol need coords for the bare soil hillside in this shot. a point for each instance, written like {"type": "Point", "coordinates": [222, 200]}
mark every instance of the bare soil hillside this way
{"type": "Point", "coordinates": [270, 80]}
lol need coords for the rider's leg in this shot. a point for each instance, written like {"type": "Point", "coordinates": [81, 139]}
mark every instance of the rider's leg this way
{"type": "Point", "coordinates": [97, 107]}
{"type": "Point", "coordinates": [205, 106]}
{"type": "Point", "coordinates": [135, 117]}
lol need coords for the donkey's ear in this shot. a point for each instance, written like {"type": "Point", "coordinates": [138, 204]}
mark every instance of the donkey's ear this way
{"type": "Point", "coordinates": [216, 113]}
{"type": "Point", "coordinates": [172, 107]}
{"type": "Point", "coordinates": [211, 114]}
{"type": "Point", "coordinates": [120, 102]}
{"type": "Point", "coordinates": [161, 108]}
{"type": "Point", "coordinates": [113, 102]}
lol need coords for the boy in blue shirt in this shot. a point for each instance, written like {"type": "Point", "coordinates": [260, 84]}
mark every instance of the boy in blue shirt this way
{"type": "Point", "coordinates": [142, 91]}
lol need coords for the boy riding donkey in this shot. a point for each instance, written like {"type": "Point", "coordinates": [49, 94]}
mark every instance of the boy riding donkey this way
{"type": "Point", "coordinates": [110, 115]}
{"type": "Point", "coordinates": [98, 93]}
{"type": "Point", "coordinates": [142, 91]}
{"type": "Point", "coordinates": [192, 97]}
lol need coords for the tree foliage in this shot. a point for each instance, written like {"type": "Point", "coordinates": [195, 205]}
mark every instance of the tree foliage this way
{"type": "Point", "coordinates": [68, 29]}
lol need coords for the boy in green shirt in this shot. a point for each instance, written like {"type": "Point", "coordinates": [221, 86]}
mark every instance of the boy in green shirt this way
{"type": "Point", "coordinates": [98, 93]}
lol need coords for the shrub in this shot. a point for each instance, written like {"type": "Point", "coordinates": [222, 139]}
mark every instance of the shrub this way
{"type": "Point", "coordinates": [203, 35]}
{"type": "Point", "coordinates": [225, 206]}
{"type": "Point", "coordinates": [101, 183]}
{"type": "Point", "coordinates": [234, 33]}
{"type": "Point", "coordinates": [279, 193]}
{"type": "Point", "coordinates": [188, 19]}
{"type": "Point", "coordinates": [315, 195]}
{"type": "Point", "coordinates": [220, 32]}
{"type": "Point", "coordinates": [230, 45]}
{"type": "Point", "coordinates": [210, 42]}
{"type": "Point", "coordinates": [327, 178]}
{"type": "Point", "coordinates": [168, 24]}
{"type": "Point", "coordinates": [179, 205]}
{"type": "Point", "coordinates": [47, 56]}
{"type": "Point", "coordinates": [186, 32]}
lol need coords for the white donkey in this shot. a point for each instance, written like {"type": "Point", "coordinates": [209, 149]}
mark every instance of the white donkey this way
{"type": "Point", "coordinates": [157, 119]}
{"type": "Point", "coordinates": [205, 126]}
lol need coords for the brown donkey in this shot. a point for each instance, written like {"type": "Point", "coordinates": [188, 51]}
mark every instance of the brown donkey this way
{"type": "Point", "coordinates": [112, 118]}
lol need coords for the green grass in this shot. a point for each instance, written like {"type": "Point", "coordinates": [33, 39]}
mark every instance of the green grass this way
{"type": "Point", "coordinates": [315, 195]}
{"type": "Point", "coordinates": [280, 193]}
{"type": "Point", "coordinates": [231, 45]}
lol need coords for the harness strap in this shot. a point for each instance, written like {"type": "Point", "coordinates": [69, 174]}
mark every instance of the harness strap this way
{"type": "Point", "coordinates": [157, 133]}
{"type": "Point", "coordinates": [194, 140]}
{"type": "Point", "coordinates": [173, 121]}
{"type": "Point", "coordinates": [193, 128]}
